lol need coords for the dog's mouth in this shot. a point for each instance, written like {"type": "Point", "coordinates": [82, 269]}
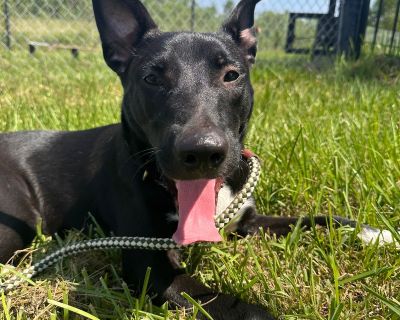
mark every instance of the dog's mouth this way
{"type": "Point", "coordinates": [196, 195]}
{"type": "Point", "coordinates": [196, 205]}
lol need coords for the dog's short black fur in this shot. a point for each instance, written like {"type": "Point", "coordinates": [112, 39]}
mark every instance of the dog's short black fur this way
{"type": "Point", "coordinates": [187, 100]}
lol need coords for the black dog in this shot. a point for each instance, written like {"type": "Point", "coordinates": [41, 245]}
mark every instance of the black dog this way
{"type": "Point", "coordinates": [187, 101]}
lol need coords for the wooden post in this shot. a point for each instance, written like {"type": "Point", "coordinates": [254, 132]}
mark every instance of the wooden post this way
{"type": "Point", "coordinates": [7, 24]}
{"type": "Point", "coordinates": [193, 16]}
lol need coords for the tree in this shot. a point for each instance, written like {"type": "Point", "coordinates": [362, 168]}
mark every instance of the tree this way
{"type": "Point", "coordinates": [228, 7]}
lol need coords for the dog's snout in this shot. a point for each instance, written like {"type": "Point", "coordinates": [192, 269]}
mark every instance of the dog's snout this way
{"type": "Point", "coordinates": [207, 151]}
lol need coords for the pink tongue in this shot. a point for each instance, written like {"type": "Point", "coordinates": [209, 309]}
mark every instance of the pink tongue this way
{"type": "Point", "coordinates": [196, 200]}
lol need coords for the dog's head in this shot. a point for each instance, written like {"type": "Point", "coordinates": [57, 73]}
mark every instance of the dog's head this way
{"type": "Point", "coordinates": [186, 94]}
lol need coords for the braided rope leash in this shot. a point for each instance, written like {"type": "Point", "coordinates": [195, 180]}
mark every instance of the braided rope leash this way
{"type": "Point", "coordinates": [144, 243]}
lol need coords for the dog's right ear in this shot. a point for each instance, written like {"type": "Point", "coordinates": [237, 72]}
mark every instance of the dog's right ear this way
{"type": "Point", "coordinates": [121, 24]}
{"type": "Point", "coordinates": [240, 27]}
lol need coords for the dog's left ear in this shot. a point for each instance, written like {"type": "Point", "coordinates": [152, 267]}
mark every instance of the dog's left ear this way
{"type": "Point", "coordinates": [240, 26]}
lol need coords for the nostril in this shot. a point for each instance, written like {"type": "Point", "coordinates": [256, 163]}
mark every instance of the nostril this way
{"type": "Point", "coordinates": [216, 159]}
{"type": "Point", "coordinates": [190, 160]}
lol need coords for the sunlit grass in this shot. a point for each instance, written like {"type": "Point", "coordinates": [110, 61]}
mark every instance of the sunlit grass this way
{"type": "Point", "coordinates": [329, 141]}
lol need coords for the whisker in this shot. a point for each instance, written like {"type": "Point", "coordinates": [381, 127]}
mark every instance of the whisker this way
{"type": "Point", "coordinates": [145, 164]}
{"type": "Point", "coordinates": [150, 152]}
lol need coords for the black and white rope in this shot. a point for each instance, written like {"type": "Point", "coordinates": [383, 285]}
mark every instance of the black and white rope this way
{"type": "Point", "coordinates": [143, 243]}
{"type": "Point", "coordinates": [242, 196]}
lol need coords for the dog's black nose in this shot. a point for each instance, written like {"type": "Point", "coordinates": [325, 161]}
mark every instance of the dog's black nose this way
{"type": "Point", "coordinates": [202, 151]}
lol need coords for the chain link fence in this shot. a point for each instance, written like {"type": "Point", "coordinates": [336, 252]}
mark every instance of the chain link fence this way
{"type": "Point", "coordinates": [66, 28]}
{"type": "Point", "coordinates": [383, 34]}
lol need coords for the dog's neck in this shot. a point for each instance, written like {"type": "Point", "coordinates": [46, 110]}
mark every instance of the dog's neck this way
{"type": "Point", "coordinates": [132, 158]}
{"type": "Point", "coordinates": [133, 135]}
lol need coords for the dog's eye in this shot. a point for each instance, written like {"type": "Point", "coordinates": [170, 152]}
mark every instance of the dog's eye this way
{"type": "Point", "coordinates": [231, 76]}
{"type": "Point", "coordinates": [153, 80]}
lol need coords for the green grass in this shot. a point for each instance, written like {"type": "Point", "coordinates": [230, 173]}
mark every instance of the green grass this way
{"type": "Point", "coordinates": [329, 140]}
{"type": "Point", "coordinates": [77, 32]}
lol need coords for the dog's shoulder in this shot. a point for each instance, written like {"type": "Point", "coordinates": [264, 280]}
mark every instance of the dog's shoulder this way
{"type": "Point", "coordinates": [22, 143]}
{"type": "Point", "coordinates": [17, 147]}
{"type": "Point", "coordinates": [43, 154]}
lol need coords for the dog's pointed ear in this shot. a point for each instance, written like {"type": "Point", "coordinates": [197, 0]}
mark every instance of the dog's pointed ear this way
{"type": "Point", "coordinates": [240, 26]}
{"type": "Point", "coordinates": [121, 24]}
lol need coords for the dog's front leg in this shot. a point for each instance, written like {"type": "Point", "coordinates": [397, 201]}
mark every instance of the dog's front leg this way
{"type": "Point", "coordinates": [219, 306]}
{"type": "Point", "coordinates": [168, 283]}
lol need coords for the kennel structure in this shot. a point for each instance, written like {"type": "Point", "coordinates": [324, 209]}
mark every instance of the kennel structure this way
{"type": "Point", "coordinates": [341, 30]}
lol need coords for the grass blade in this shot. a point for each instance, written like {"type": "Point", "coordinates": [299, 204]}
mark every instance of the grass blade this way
{"type": "Point", "coordinates": [395, 233]}
{"type": "Point", "coordinates": [73, 309]}
{"type": "Point", "coordinates": [363, 275]}
{"type": "Point", "coordinates": [6, 309]}
{"type": "Point", "coordinates": [144, 288]}
{"type": "Point", "coordinates": [196, 305]}
{"type": "Point", "coordinates": [336, 313]}
{"type": "Point", "coordinates": [391, 304]}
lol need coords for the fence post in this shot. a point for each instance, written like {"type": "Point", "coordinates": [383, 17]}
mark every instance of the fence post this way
{"type": "Point", "coordinates": [352, 27]}
{"type": "Point", "coordinates": [378, 19]}
{"type": "Point", "coordinates": [396, 19]}
{"type": "Point", "coordinates": [193, 16]}
{"type": "Point", "coordinates": [7, 24]}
